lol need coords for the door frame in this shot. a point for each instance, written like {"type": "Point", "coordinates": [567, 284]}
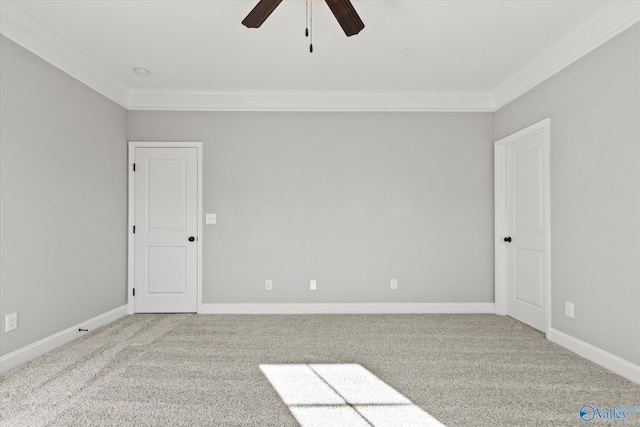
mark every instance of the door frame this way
{"type": "Point", "coordinates": [500, 180]}
{"type": "Point", "coordinates": [131, 182]}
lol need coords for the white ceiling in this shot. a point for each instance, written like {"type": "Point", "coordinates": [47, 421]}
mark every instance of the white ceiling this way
{"type": "Point", "coordinates": [412, 54]}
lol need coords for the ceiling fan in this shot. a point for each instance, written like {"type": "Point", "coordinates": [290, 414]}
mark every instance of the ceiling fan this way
{"type": "Point", "coordinates": [343, 10]}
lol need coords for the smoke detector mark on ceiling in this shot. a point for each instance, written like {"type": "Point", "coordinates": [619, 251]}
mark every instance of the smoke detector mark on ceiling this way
{"type": "Point", "coordinates": [142, 72]}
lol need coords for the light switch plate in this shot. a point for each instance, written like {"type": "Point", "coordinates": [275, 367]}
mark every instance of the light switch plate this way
{"type": "Point", "coordinates": [210, 219]}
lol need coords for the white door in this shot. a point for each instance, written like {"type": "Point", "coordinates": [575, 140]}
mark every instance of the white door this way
{"type": "Point", "coordinates": [166, 230]}
{"type": "Point", "coordinates": [524, 232]}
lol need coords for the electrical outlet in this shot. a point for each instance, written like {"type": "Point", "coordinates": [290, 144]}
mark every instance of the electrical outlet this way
{"type": "Point", "coordinates": [568, 309]}
{"type": "Point", "coordinates": [394, 283]}
{"type": "Point", "coordinates": [268, 285]}
{"type": "Point", "coordinates": [11, 322]}
{"type": "Point", "coordinates": [312, 285]}
{"type": "Point", "coordinates": [210, 218]}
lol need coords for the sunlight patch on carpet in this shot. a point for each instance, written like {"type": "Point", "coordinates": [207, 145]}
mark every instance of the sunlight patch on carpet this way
{"type": "Point", "coordinates": [299, 385]}
{"type": "Point", "coordinates": [337, 395]}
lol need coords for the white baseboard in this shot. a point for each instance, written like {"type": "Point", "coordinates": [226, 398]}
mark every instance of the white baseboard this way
{"type": "Point", "coordinates": [52, 342]}
{"type": "Point", "coordinates": [620, 366]}
{"type": "Point", "coordinates": [347, 308]}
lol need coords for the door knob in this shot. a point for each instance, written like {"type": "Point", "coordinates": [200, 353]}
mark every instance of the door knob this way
{"type": "Point", "coordinates": [507, 239]}
{"type": "Point", "coordinates": [192, 239]}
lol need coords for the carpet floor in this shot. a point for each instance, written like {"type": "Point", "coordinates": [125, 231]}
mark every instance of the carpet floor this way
{"type": "Point", "coordinates": [203, 370]}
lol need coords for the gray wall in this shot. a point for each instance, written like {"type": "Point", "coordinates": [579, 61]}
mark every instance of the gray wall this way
{"type": "Point", "coordinates": [63, 199]}
{"type": "Point", "coordinates": [349, 199]}
{"type": "Point", "coordinates": [594, 106]}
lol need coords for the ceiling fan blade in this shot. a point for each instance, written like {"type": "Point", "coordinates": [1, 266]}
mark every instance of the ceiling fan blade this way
{"type": "Point", "coordinates": [347, 16]}
{"type": "Point", "coordinates": [260, 13]}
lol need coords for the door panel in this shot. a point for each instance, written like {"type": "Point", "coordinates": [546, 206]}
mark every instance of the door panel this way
{"type": "Point", "coordinates": [167, 190]}
{"type": "Point", "coordinates": [527, 188]}
{"type": "Point", "coordinates": [167, 270]}
{"type": "Point", "coordinates": [528, 277]}
{"type": "Point", "coordinates": [165, 215]}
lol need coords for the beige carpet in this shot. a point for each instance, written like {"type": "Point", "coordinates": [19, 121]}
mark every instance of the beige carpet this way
{"type": "Point", "coordinates": [191, 370]}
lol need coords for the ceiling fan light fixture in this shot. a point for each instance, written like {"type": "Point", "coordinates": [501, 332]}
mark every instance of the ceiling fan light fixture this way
{"type": "Point", "coordinates": [343, 10]}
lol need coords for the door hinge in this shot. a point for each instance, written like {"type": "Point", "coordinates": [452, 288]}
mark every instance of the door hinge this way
{"type": "Point", "coordinates": [134, 229]}
{"type": "Point", "coordinates": [134, 167]}
{"type": "Point", "coordinates": [134, 292]}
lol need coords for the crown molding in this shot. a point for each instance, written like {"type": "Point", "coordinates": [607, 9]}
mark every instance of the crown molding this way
{"type": "Point", "coordinates": [611, 20]}
{"type": "Point", "coordinates": [20, 27]}
{"type": "Point", "coordinates": [400, 101]}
